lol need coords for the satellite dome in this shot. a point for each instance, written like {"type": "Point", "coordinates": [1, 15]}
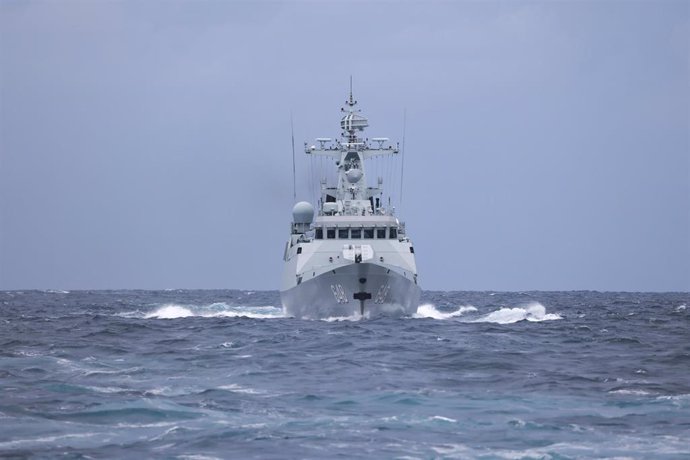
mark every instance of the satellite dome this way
{"type": "Point", "coordinates": [354, 175]}
{"type": "Point", "coordinates": [303, 213]}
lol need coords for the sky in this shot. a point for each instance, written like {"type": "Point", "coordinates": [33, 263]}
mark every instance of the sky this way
{"type": "Point", "coordinates": [147, 145]}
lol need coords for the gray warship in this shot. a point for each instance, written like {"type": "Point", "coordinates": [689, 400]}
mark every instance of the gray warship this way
{"type": "Point", "coordinates": [354, 257]}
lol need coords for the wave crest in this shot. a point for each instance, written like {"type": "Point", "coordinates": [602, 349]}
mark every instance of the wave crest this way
{"type": "Point", "coordinates": [429, 310]}
{"type": "Point", "coordinates": [170, 312]}
{"type": "Point", "coordinates": [216, 310]}
{"type": "Point", "coordinates": [535, 312]}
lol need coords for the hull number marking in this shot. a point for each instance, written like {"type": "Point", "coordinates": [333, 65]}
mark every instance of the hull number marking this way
{"type": "Point", "coordinates": [382, 293]}
{"type": "Point", "coordinates": [339, 293]}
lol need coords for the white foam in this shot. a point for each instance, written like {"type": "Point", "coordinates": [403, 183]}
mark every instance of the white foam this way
{"type": "Point", "coordinates": [680, 308]}
{"type": "Point", "coordinates": [162, 391]}
{"type": "Point", "coordinates": [170, 312]}
{"type": "Point", "coordinates": [258, 313]}
{"type": "Point", "coordinates": [180, 390]}
{"type": "Point", "coordinates": [676, 397]}
{"type": "Point", "coordinates": [443, 419]}
{"type": "Point", "coordinates": [105, 389]}
{"type": "Point", "coordinates": [129, 370]}
{"type": "Point", "coordinates": [233, 387]}
{"type": "Point", "coordinates": [428, 310]}
{"type": "Point", "coordinates": [625, 391]}
{"type": "Point", "coordinates": [532, 312]}
{"type": "Point", "coordinates": [216, 310]}
{"type": "Point", "coordinates": [682, 400]}
{"type": "Point", "coordinates": [517, 423]}
{"type": "Point", "coordinates": [331, 319]}
{"type": "Point", "coordinates": [29, 353]}
{"type": "Point", "coordinates": [453, 450]}
{"type": "Point", "coordinates": [165, 433]}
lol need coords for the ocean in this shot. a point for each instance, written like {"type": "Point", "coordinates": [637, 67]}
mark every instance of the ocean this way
{"type": "Point", "coordinates": [187, 374]}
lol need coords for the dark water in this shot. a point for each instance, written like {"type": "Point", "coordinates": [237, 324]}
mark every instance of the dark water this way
{"type": "Point", "coordinates": [221, 374]}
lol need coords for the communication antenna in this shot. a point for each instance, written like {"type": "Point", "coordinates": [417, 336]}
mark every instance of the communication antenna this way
{"type": "Point", "coordinates": [402, 156]}
{"type": "Point", "coordinates": [294, 182]}
{"type": "Point", "coordinates": [351, 100]}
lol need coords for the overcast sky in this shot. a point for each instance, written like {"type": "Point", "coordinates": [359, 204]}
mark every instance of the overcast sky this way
{"type": "Point", "coordinates": [147, 144]}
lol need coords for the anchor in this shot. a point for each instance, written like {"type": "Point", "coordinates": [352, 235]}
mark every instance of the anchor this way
{"type": "Point", "coordinates": [362, 296]}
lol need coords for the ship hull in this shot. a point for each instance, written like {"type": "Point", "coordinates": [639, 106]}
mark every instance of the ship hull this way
{"type": "Point", "coordinates": [366, 289]}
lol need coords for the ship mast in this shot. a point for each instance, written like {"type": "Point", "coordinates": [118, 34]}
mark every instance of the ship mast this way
{"type": "Point", "coordinates": [351, 195]}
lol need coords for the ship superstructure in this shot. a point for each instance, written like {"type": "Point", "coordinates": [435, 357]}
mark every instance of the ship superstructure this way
{"type": "Point", "coordinates": [354, 257]}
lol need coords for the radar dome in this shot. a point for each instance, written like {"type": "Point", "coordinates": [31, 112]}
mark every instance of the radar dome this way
{"type": "Point", "coordinates": [303, 213]}
{"type": "Point", "coordinates": [354, 175]}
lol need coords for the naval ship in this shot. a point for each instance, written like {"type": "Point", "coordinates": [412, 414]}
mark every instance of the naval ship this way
{"type": "Point", "coordinates": [354, 257]}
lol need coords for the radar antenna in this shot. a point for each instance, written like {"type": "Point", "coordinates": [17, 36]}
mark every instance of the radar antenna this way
{"type": "Point", "coordinates": [294, 183]}
{"type": "Point", "coordinates": [351, 102]}
{"type": "Point", "coordinates": [402, 156]}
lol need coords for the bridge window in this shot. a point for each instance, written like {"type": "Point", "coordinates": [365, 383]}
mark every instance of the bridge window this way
{"type": "Point", "coordinates": [381, 233]}
{"type": "Point", "coordinates": [356, 233]}
{"type": "Point", "coordinates": [393, 233]}
{"type": "Point", "coordinates": [330, 233]}
{"type": "Point", "coordinates": [368, 233]}
{"type": "Point", "coordinates": [343, 233]}
{"type": "Point", "coordinates": [318, 234]}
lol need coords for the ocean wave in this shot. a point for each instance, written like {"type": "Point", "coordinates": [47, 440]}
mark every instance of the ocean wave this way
{"type": "Point", "coordinates": [680, 401]}
{"type": "Point", "coordinates": [170, 312]}
{"type": "Point", "coordinates": [630, 392]}
{"type": "Point", "coordinates": [428, 310]}
{"type": "Point", "coordinates": [234, 388]}
{"type": "Point", "coordinates": [107, 390]}
{"type": "Point", "coordinates": [215, 310]}
{"type": "Point", "coordinates": [31, 442]}
{"type": "Point", "coordinates": [389, 387]}
{"type": "Point", "coordinates": [535, 312]}
{"type": "Point", "coordinates": [128, 371]}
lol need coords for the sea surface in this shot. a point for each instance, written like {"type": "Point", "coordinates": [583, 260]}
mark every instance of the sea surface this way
{"type": "Point", "coordinates": [224, 374]}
